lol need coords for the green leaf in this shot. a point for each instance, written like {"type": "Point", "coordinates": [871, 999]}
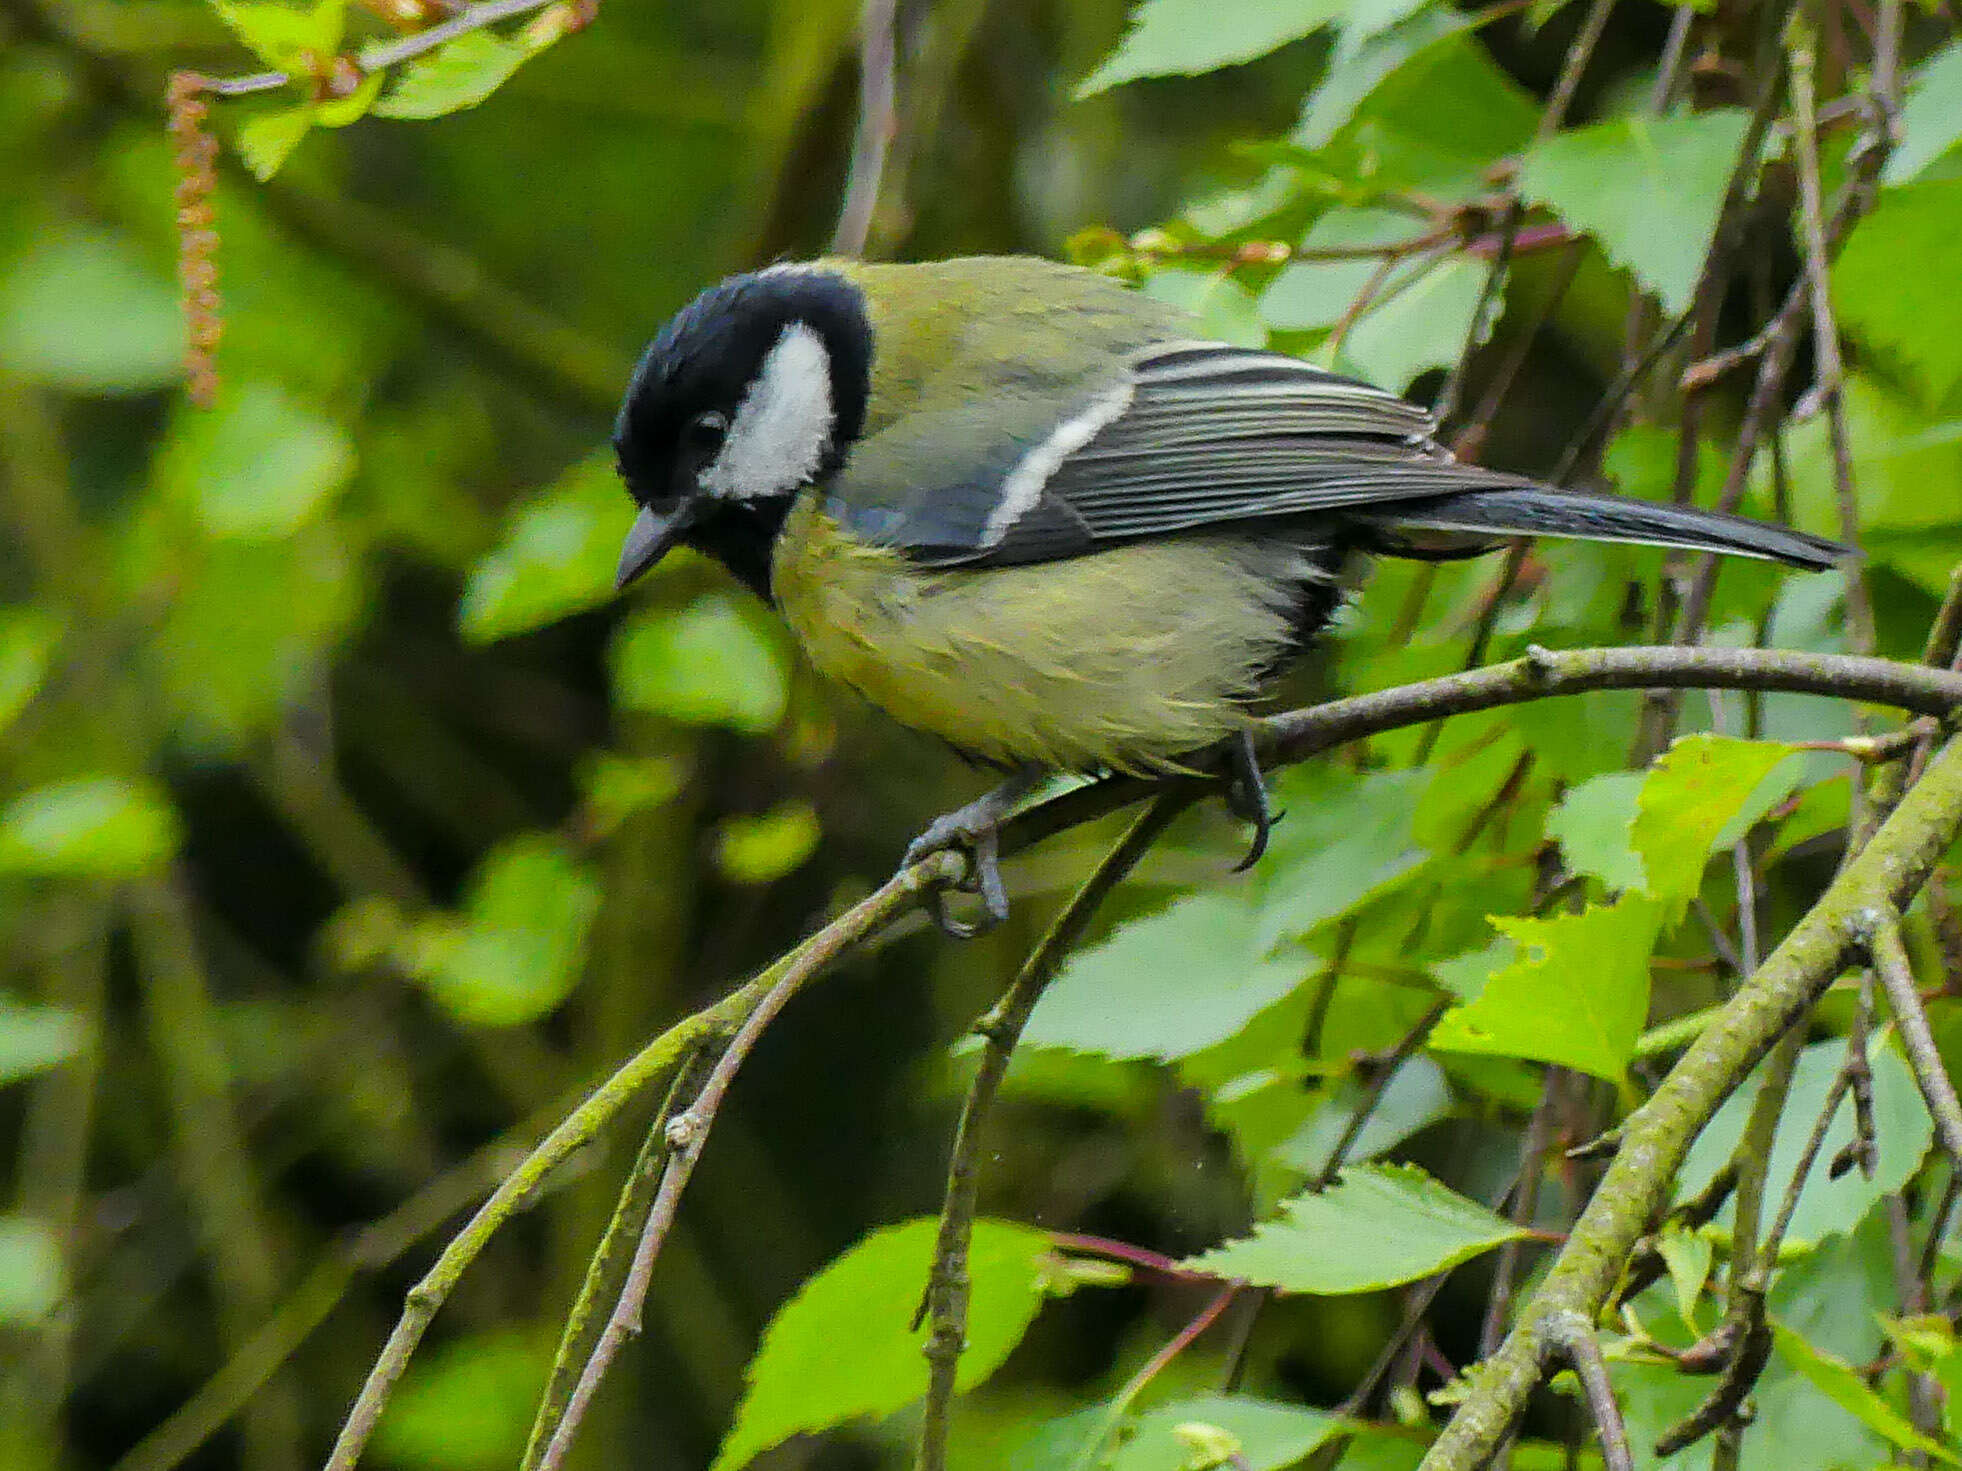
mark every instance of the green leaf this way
{"type": "Point", "coordinates": [1575, 990]}
{"type": "Point", "coordinates": [1412, 44]}
{"type": "Point", "coordinates": [1420, 322]}
{"type": "Point", "coordinates": [1648, 189]}
{"type": "Point", "coordinates": [92, 827]}
{"type": "Point", "coordinates": [1263, 1435]}
{"type": "Point", "coordinates": [1692, 798]}
{"type": "Point", "coordinates": [265, 142]}
{"type": "Point", "coordinates": [258, 465]}
{"type": "Point", "coordinates": [1169, 984]}
{"type": "Point", "coordinates": [79, 310]}
{"type": "Point", "coordinates": [286, 37]}
{"type": "Point", "coordinates": [1841, 1383]}
{"type": "Point", "coordinates": [557, 556]}
{"type": "Point", "coordinates": [341, 112]}
{"type": "Point", "coordinates": [33, 1278]}
{"type": "Point", "coordinates": [1826, 1207]}
{"type": "Point", "coordinates": [843, 1347]}
{"type": "Point", "coordinates": [1687, 1255]}
{"type": "Point", "coordinates": [616, 787]}
{"type": "Point", "coordinates": [1187, 37]}
{"type": "Point", "coordinates": [1886, 291]}
{"type": "Point", "coordinates": [456, 76]}
{"type": "Point", "coordinates": [466, 1407]}
{"type": "Point", "coordinates": [1415, 1097]}
{"type": "Point", "coordinates": [760, 850]}
{"type": "Point", "coordinates": [1931, 116]}
{"type": "Point", "coordinates": [27, 643]}
{"type": "Point", "coordinates": [1344, 840]}
{"type": "Point", "coordinates": [1381, 1225]}
{"type": "Point", "coordinates": [517, 951]}
{"type": "Point", "coordinates": [1592, 824]}
{"type": "Point", "coordinates": [1224, 307]}
{"type": "Point", "coordinates": [709, 664]}
{"type": "Point", "coordinates": [1424, 104]}
{"type": "Point", "coordinates": [36, 1038]}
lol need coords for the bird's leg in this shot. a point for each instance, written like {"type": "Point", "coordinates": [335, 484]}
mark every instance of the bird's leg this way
{"type": "Point", "coordinates": [975, 829]}
{"type": "Point", "coordinates": [1246, 795]}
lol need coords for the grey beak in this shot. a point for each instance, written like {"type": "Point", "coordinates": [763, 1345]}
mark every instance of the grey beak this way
{"type": "Point", "coordinates": [648, 541]}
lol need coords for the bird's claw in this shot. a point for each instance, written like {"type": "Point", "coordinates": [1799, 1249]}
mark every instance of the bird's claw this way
{"type": "Point", "coordinates": [1246, 796]}
{"type": "Point", "coordinates": [980, 844]}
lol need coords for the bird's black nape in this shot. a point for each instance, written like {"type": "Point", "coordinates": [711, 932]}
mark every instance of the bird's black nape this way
{"type": "Point", "coordinates": [701, 366]}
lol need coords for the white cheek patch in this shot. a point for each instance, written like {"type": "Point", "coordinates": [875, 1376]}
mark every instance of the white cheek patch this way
{"type": "Point", "coordinates": [783, 426]}
{"type": "Point", "coordinates": [1022, 489]}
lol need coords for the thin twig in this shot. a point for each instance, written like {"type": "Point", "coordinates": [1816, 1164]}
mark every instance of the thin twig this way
{"type": "Point", "coordinates": [1890, 959]}
{"type": "Point", "coordinates": [878, 122]}
{"type": "Point", "coordinates": [1573, 1336]}
{"type": "Point", "coordinates": [898, 896]}
{"type": "Point", "coordinates": [1386, 1068]}
{"type": "Point", "coordinates": [686, 1135]}
{"type": "Point", "coordinates": [1829, 369]}
{"type": "Point", "coordinates": [1121, 1403]}
{"type": "Point", "coordinates": [393, 53]}
{"type": "Point", "coordinates": [607, 1270]}
{"type": "Point", "coordinates": [945, 1302]}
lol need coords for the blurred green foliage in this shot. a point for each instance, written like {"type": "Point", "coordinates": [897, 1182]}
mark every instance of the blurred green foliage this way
{"type": "Point", "coordinates": [348, 824]}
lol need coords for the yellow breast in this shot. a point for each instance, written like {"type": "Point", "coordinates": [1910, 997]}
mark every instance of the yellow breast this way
{"type": "Point", "coordinates": [1127, 659]}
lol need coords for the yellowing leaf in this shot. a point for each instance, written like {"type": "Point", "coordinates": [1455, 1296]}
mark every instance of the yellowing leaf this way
{"type": "Point", "coordinates": [1381, 1225]}
{"type": "Point", "coordinates": [1690, 799]}
{"type": "Point", "coordinates": [286, 37]}
{"type": "Point", "coordinates": [265, 142]}
{"type": "Point", "coordinates": [103, 826]}
{"type": "Point", "coordinates": [758, 850]}
{"type": "Point", "coordinates": [1575, 990]}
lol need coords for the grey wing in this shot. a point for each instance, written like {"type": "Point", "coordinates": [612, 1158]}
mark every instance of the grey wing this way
{"type": "Point", "coordinates": [1191, 435]}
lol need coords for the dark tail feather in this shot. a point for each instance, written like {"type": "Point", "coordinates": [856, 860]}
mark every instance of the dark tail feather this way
{"type": "Point", "coordinates": [1536, 510]}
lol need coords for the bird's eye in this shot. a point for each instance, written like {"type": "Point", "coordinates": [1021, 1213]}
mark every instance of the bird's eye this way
{"type": "Point", "coordinates": [703, 434]}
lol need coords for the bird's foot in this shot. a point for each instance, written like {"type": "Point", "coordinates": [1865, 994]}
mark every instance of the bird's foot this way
{"type": "Point", "coordinates": [1246, 795]}
{"type": "Point", "coordinates": [974, 830]}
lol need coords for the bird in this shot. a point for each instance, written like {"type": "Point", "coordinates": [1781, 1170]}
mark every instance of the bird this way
{"type": "Point", "coordinates": [1041, 515]}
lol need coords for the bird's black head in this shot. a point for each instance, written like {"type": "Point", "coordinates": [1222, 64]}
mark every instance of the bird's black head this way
{"type": "Point", "coordinates": [754, 390]}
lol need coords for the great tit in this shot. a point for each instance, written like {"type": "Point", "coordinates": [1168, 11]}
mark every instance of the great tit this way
{"type": "Point", "coordinates": [1040, 515]}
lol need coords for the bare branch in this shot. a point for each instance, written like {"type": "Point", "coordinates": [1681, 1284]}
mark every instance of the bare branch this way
{"type": "Point", "coordinates": [1573, 1336]}
{"type": "Point", "coordinates": [945, 1302]}
{"type": "Point", "coordinates": [1890, 959]}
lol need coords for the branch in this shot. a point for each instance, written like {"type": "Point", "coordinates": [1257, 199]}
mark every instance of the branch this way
{"type": "Point", "coordinates": [1887, 872]}
{"type": "Point", "coordinates": [380, 58]}
{"type": "Point", "coordinates": [685, 1135]}
{"type": "Point", "coordinates": [878, 122]}
{"type": "Point", "coordinates": [869, 916]}
{"type": "Point", "coordinates": [1890, 959]}
{"type": "Point", "coordinates": [606, 1271]}
{"type": "Point", "coordinates": [1573, 1337]}
{"type": "Point", "coordinates": [1298, 734]}
{"type": "Point", "coordinates": [945, 1302]}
